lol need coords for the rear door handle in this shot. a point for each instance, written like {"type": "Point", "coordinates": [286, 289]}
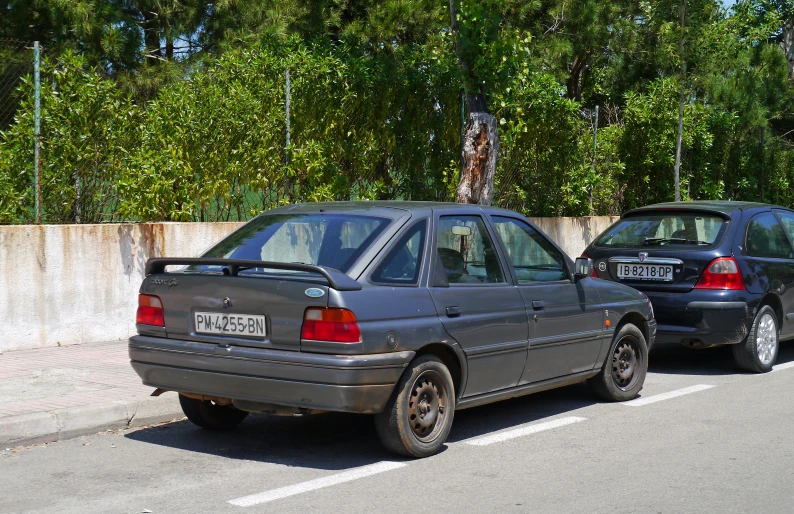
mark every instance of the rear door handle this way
{"type": "Point", "coordinates": [453, 312]}
{"type": "Point", "coordinates": [537, 304]}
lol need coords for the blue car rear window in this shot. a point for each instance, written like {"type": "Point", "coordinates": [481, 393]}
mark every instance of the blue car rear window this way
{"type": "Point", "coordinates": [330, 240]}
{"type": "Point", "coordinates": [679, 229]}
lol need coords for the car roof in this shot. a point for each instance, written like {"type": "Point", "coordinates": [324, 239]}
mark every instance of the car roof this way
{"type": "Point", "coordinates": [403, 205]}
{"type": "Point", "coordinates": [719, 206]}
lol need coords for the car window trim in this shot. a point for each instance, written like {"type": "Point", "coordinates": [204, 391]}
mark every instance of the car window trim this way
{"type": "Point", "coordinates": [780, 224]}
{"type": "Point", "coordinates": [531, 225]}
{"type": "Point", "coordinates": [391, 245]}
{"type": "Point", "coordinates": [434, 259]}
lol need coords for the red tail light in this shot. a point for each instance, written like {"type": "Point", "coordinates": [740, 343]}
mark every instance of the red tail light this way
{"type": "Point", "coordinates": [332, 325]}
{"type": "Point", "coordinates": [594, 273]}
{"type": "Point", "coordinates": [150, 311]}
{"type": "Point", "coordinates": [722, 273]}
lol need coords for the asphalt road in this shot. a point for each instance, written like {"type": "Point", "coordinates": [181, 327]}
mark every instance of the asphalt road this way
{"type": "Point", "coordinates": [684, 447]}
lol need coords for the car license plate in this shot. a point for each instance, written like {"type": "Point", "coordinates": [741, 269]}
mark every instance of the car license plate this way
{"type": "Point", "coordinates": [229, 324]}
{"type": "Point", "coordinates": [645, 272]}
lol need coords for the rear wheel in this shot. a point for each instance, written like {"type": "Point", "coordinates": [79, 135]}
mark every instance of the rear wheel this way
{"type": "Point", "coordinates": [210, 415]}
{"type": "Point", "coordinates": [418, 416]}
{"type": "Point", "coordinates": [758, 352]}
{"type": "Point", "coordinates": [623, 374]}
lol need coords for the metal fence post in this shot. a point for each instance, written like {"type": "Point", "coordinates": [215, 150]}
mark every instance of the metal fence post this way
{"type": "Point", "coordinates": [595, 149]}
{"type": "Point", "coordinates": [37, 127]}
{"type": "Point", "coordinates": [288, 130]}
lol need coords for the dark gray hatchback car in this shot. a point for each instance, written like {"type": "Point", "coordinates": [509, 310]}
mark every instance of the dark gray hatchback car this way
{"type": "Point", "coordinates": [404, 310]}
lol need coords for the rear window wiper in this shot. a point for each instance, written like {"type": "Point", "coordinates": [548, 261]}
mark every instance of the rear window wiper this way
{"type": "Point", "coordinates": [680, 240]}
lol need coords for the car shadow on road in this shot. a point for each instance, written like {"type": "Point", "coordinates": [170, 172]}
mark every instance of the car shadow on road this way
{"type": "Point", "coordinates": [670, 359]}
{"type": "Point", "coordinates": [335, 441]}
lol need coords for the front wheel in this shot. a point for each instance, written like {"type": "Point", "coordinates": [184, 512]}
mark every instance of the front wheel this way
{"type": "Point", "coordinates": [623, 374]}
{"type": "Point", "coordinates": [211, 415]}
{"type": "Point", "coordinates": [758, 352]}
{"type": "Point", "coordinates": [418, 416]}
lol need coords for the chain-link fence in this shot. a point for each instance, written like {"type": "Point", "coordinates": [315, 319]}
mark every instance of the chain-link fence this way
{"type": "Point", "coordinates": [16, 63]}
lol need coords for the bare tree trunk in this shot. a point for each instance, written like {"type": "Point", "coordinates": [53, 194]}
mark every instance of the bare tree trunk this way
{"type": "Point", "coordinates": [481, 137]}
{"type": "Point", "coordinates": [787, 45]}
{"type": "Point", "coordinates": [480, 150]}
{"type": "Point", "coordinates": [680, 135]}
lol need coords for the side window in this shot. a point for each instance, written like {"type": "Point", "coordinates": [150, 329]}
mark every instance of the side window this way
{"type": "Point", "coordinates": [532, 256]}
{"type": "Point", "coordinates": [467, 252]}
{"type": "Point", "coordinates": [765, 238]}
{"type": "Point", "coordinates": [788, 222]}
{"type": "Point", "coordinates": [402, 264]}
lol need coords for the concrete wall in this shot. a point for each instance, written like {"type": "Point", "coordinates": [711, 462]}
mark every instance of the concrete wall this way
{"type": "Point", "coordinates": [70, 284]}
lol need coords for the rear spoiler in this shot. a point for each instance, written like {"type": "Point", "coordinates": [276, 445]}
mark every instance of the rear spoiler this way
{"type": "Point", "coordinates": [336, 279]}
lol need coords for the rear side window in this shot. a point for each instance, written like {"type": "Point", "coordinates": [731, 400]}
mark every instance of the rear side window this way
{"type": "Point", "coordinates": [330, 240]}
{"type": "Point", "coordinates": [679, 229]}
{"type": "Point", "coordinates": [765, 238]}
{"type": "Point", "coordinates": [403, 263]}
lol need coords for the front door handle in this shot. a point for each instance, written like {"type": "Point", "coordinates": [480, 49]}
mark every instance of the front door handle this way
{"type": "Point", "coordinates": [537, 304]}
{"type": "Point", "coordinates": [453, 312]}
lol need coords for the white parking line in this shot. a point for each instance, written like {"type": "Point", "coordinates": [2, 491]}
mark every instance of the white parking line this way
{"type": "Point", "coordinates": [639, 402]}
{"type": "Point", "coordinates": [319, 483]}
{"type": "Point", "coordinates": [526, 430]}
{"type": "Point", "coordinates": [781, 367]}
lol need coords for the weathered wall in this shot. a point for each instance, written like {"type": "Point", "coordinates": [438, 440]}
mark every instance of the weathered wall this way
{"type": "Point", "coordinates": [70, 284]}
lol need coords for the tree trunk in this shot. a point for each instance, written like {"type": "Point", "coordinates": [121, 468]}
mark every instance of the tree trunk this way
{"type": "Point", "coordinates": [480, 150]}
{"type": "Point", "coordinates": [787, 44]}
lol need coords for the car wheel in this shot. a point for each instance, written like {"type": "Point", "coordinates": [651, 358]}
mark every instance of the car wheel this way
{"type": "Point", "coordinates": [418, 416]}
{"type": "Point", "coordinates": [758, 352]}
{"type": "Point", "coordinates": [623, 374]}
{"type": "Point", "coordinates": [210, 415]}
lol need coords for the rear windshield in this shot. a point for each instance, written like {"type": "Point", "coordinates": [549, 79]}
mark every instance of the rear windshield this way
{"type": "Point", "coordinates": [679, 229]}
{"type": "Point", "coordinates": [330, 240]}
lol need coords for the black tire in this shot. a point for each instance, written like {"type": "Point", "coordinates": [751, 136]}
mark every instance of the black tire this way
{"type": "Point", "coordinates": [418, 416]}
{"type": "Point", "coordinates": [758, 352]}
{"type": "Point", "coordinates": [210, 415]}
{"type": "Point", "coordinates": [623, 374]}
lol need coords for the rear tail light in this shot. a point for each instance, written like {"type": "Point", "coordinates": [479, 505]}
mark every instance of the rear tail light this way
{"type": "Point", "coordinates": [150, 311]}
{"type": "Point", "coordinates": [594, 273]}
{"type": "Point", "coordinates": [721, 273]}
{"type": "Point", "coordinates": [332, 325]}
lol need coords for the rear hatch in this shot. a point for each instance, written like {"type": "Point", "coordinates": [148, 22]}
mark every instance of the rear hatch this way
{"type": "Point", "coordinates": [253, 288]}
{"type": "Point", "coordinates": [659, 250]}
{"type": "Point", "coordinates": [256, 311]}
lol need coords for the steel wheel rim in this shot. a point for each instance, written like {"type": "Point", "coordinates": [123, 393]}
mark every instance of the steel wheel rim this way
{"type": "Point", "coordinates": [766, 339]}
{"type": "Point", "coordinates": [428, 406]}
{"type": "Point", "coordinates": [626, 361]}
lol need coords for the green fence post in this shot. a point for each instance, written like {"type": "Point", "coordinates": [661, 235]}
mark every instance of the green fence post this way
{"type": "Point", "coordinates": [37, 127]}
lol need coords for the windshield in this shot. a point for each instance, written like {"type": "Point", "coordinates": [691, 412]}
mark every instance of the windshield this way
{"type": "Point", "coordinates": [329, 240]}
{"type": "Point", "coordinates": [680, 229]}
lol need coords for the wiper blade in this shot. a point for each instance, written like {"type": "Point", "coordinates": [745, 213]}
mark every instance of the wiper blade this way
{"type": "Point", "coordinates": [680, 240]}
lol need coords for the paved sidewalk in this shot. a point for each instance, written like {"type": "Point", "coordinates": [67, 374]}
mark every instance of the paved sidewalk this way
{"type": "Point", "coordinates": [50, 394]}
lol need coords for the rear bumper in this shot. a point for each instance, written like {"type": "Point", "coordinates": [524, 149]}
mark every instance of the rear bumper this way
{"type": "Point", "coordinates": [702, 317]}
{"type": "Point", "coordinates": [345, 383]}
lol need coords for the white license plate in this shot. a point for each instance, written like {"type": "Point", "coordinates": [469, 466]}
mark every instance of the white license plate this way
{"type": "Point", "coordinates": [645, 272]}
{"type": "Point", "coordinates": [229, 324]}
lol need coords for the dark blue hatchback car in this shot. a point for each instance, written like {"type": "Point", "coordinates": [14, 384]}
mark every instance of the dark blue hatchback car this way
{"type": "Point", "coordinates": [716, 273]}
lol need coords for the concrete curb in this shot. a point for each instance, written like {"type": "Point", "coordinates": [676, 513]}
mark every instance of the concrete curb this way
{"type": "Point", "coordinates": [62, 424]}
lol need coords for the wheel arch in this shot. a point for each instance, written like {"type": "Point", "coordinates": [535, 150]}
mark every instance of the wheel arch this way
{"type": "Point", "coordinates": [637, 319]}
{"type": "Point", "coordinates": [451, 359]}
{"type": "Point", "coordinates": [773, 301]}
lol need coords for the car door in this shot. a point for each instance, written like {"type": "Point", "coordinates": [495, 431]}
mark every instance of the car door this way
{"type": "Point", "coordinates": [771, 252]}
{"type": "Point", "coordinates": [566, 320]}
{"type": "Point", "coordinates": [477, 304]}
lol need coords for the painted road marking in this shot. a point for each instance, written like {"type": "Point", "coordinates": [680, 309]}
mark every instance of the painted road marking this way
{"type": "Point", "coordinates": [319, 483]}
{"type": "Point", "coordinates": [781, 367]}
{"type": "Point", "coordinates": [639, 402]}
{"type": "Point", "coordinates": [522, 431]}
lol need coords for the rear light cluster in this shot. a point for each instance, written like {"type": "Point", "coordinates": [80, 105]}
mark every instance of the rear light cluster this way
{"type": "Point", "coordinates": [331, 325]}
{"type": "Point", "coordinates": [594, 273]}
{"type": "Point", "coordinates": [150, 311]}
{"type": "Point", "coordinates": [721, 273]}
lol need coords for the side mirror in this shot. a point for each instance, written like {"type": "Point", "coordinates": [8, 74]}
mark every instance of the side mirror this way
{"type": "Point", "coordinates": [582, 267]}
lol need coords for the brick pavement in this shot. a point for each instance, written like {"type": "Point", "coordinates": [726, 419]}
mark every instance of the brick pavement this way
{"type": "Point", "coordinates": [48, 379]}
